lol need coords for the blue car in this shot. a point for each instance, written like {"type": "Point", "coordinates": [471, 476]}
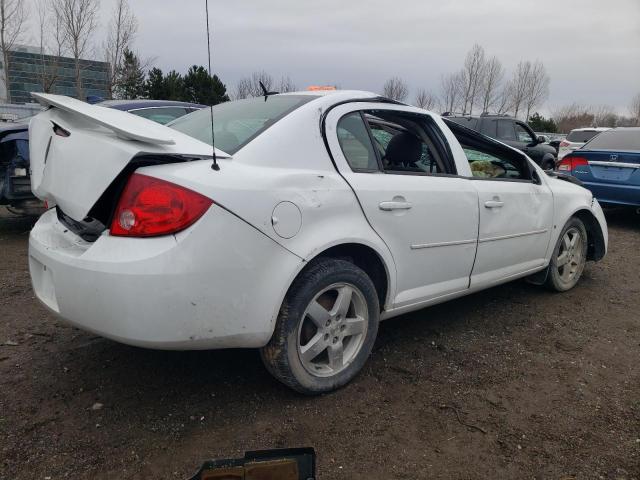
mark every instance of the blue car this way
{"type": "Point", "coordinates": [609, 166]}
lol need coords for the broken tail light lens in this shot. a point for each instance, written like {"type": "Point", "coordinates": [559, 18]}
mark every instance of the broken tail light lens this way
{"type": "Point", "coordinates": [568, 163]}
{"type": "Point", "coordinates": [149, 207]}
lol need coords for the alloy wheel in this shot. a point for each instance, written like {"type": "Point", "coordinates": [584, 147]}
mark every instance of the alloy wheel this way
{"type": "Point", "coordinates": [332, 331]}
{"type": "Point", "coordinates": [569, 261]}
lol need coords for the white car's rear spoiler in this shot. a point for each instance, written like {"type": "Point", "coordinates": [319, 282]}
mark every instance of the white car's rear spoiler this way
{"type": "Point", "coordinates": [72, 167]}
{"type": "Point", "coordinates": [125, 125]}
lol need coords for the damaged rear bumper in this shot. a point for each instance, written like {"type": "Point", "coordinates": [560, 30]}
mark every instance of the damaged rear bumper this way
{"type": "Point", "coordinates": [218, 284]}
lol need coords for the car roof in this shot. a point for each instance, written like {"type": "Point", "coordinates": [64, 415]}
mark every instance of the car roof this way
{"type": "Point", "coordinates": [136, 104]}
{"type": "Point", "coordinates": [591, 129]}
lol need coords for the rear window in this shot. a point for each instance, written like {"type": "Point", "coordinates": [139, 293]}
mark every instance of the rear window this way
{"type": "Point", "coordinates": [617, 139]}
{"type": "Point", "coordinates": [237, 123]}
{"type": "Point", "coordinates": [581, 136]}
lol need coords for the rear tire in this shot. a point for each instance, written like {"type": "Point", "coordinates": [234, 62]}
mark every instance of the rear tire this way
{"type": "Point", "coordinates": [326, 328]}
{"type": "Point", "coordinates": [569, 257]}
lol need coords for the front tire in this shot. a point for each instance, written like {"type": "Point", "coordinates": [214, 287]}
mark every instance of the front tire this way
{"type": "Point", "coordinates": [326, 328]}
{"type": "Point", "coordinates": [569, 257]}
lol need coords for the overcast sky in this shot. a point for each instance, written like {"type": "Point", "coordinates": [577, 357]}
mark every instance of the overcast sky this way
{"type": "Point", "coordinates": [591, 48]}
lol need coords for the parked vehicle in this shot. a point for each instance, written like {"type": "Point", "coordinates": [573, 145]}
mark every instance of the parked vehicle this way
{"type": "Point", "coordinates": [327, 212]}
{"type": "Point", "coordinates": [577, 138]}
{"type": "Point", "coordinates": [160, 111]}
{"type": "Point", "coordinates": [555, 141]}
{"type": "Point", "coordinates": [514, 133]}
{"type": "Point", "coordinates": [15, 183]}
{"type": "Point", "coordinates": [609, 166]}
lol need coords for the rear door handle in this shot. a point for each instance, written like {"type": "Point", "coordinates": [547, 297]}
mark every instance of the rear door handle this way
{"type": "Point", "coordinates": [493, 204]}
{"type": "Point", "coordinates": [395, 205]}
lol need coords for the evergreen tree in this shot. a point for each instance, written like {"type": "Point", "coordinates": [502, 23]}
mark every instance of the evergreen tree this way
{"type": "Point", "coordinates": [200, 87]}
{"type": "Point", "coordinates": [130, 78]}
{"type": "Point", "coordinates": [155, 87]}
{"type": "Point", "coordinates": [173, 86]}
{"type": "Point", "coordinates": [540, 124]}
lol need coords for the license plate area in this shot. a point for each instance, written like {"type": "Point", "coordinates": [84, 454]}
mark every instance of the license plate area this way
{"type": "Point", "coordinates": [42, 279]}
{"type": "Point", "coordinates": [615, 174]}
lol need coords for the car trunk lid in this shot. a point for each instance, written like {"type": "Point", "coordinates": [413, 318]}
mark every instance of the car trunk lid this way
{"type": "Point", "coordinates": [77, 150]}
{"type": "Point", "coordinates": [611, 166]}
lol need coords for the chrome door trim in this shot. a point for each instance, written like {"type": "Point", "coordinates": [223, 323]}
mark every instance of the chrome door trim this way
{"type": "Point", "coordinates": [513, 235]}
{"type": "Point", "coordinates": [442, 244]}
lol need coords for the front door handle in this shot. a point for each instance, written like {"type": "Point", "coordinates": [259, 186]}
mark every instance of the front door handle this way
{"type": "Point", "coordinates": [493, 204]}
{"type": "Point", "coordinates": [395, 205]}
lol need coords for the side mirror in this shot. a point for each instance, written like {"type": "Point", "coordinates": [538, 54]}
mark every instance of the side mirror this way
{"type": "Point", "coordinates": [541, 139]}
{"type": "Point", "coordinates": [284, 464]}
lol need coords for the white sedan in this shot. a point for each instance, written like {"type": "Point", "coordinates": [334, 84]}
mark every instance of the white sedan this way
{"type": "Point", "coordinates": [577, 138]}
{"type": "Point", "coordinates": [329, 212]}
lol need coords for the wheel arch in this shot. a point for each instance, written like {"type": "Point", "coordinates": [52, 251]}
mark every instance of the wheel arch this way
{"type": "Point", "coordinates": [366, 258]}
{"type": "Point", "coordinates": [596, 244]}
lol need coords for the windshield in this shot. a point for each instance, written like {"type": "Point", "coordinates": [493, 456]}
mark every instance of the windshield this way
{"type": "Point", "coordinates": [237, 123]}
{"type": "Point", "coordinates": [617, 139]}
{"type": "Point", "coordinates": [581, 136]}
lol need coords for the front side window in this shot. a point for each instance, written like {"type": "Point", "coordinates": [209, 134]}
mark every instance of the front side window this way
{"type": "Point", "coordinates": [506, 131]}
{"type": "Point", "coordinates": [488, 165]}
{"type": "Point", "coordinates": [523, 134]}
{"type": "Point", "coordinates": [237, 123]}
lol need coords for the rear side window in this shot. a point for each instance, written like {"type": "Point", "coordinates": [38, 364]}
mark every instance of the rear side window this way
{"type": "Point", "coordinates": [581, 136]}
{"type": "Point", "coordinates": [403, 144]}
{"type": "Point", "coordinates": [617, 139]}
{"type": "Point", "coordinates": [506, 131]}
{"type": "Point", "coordinates": [356, 144]}
{"type": "Point", "coordinates": [488, 128]}
{"type": "Point", "coordinates": [237, 123]}
{"type": "Point", "coordinates": [468, 122]}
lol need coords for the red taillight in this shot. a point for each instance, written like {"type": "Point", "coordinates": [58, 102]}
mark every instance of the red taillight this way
{"type": "Point", "coordinates": [569, 163]}
{"type": "Point", "coordinates": [149, 207]}
{"type": "Point", "coordinates": [564, 143]}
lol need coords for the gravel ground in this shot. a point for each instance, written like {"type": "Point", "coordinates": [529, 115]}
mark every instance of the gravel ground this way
{"type": "Point", "coordinates": [514, 382]}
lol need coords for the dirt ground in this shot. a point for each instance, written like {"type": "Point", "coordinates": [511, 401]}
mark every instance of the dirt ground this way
{"type": "Point", "coordinates": [549, 382]}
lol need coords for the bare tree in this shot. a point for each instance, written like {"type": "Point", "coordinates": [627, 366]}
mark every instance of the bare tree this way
{"type": "Point", "coordinates": [472, 76]}
{"type": "Point", "coordinates": [43, 20]}
{"type": "Point", "coordinates": [122, 30]}
{"type": "Point", "coordinates": [286, 85]}
{"type": "Point", "coordinates": [451, 87]}
{"type": "Point", "coordinates": [250, 86]}
{"type": "Point", "coordinates": [519, 85]}
{"type": "Point", "coordinates": [537, 87]}
{"type": "Point", "coordinates": [12, 22]}
{"type": "Point", "coordinates": [396, 89]}
{"type": "Point", "coordinates": [604, 116]}
{"type": "Point", "coordinates": [573, 116]}
{"type": "Point", "coordinates": [635, 109]}
{"type": "Point", "coordinates": [503, 99]}
{"type": "Point", "coordinates": [78, 23]}
{"type": "Point", "coordinates": [426, 99]}
{"type": "Point", "coordinates": [491, 81]}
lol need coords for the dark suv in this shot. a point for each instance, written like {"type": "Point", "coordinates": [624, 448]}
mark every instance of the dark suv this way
{"type": "Point", "coordinates": [513, 132]}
